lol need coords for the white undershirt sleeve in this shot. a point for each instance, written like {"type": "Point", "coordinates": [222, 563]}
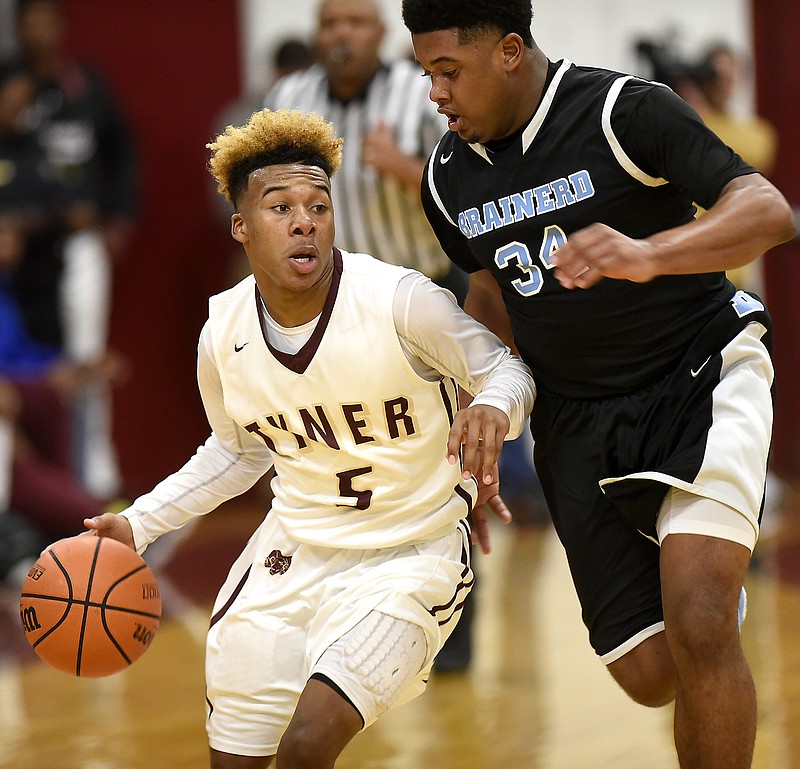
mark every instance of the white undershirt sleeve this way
{"type": "Point", "coordinates": [225, 466]}
{"type": "Point", "coordinates": [439, 338]}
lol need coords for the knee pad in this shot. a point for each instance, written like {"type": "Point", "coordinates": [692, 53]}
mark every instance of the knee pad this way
{"type": "Point", "coordinates": [381, 654]}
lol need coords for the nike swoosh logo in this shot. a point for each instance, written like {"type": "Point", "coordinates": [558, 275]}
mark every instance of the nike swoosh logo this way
{"type": "Point", "coordinates": [236, 347]}
{"type": "Point", "coordinates": [695, 373]}
{"type": "Point", "coordinates": [445, 158]}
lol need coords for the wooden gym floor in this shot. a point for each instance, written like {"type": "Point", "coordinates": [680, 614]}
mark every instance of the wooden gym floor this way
{"type": "Point", "coordinates": [535, 697]}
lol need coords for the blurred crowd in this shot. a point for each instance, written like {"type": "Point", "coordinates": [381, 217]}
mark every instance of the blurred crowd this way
{"type": "Point", "coordinates": [67, 207]}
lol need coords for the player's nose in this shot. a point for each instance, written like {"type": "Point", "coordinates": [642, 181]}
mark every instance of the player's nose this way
{"type": "Point", "coordinates": [302, 222]}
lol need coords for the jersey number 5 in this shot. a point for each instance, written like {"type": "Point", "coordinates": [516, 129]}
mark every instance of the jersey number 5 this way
{"type": "Point", "coordinates": [362, 498]}
{"type": "Point", "coordinates": [516, 254]}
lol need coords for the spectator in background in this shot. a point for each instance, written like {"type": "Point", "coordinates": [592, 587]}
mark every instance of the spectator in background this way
{"type": "Point", "coordinates": [39, 497]}
{"type": "Point", "coordinates": [36, 387]}
{"type": "Point", "coordinates": [290, 55]}
{"type": "Point", "coordinates": [85, 140]}
{"type": "Point", "coordinates": [753, 137]}
{"type": "Point", "coordinates": [710, 86]}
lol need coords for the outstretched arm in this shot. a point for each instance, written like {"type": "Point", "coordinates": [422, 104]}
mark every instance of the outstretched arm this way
{"type": "Point", "coordinates": [441, 339]}
{"type": "Point", "coordinates": [750, 217]}
{"type": "Point", "coordinates": [226, 465]}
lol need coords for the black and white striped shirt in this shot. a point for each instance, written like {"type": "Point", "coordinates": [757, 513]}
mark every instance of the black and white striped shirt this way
{"type": "Point", "coordinates": [374, 214]}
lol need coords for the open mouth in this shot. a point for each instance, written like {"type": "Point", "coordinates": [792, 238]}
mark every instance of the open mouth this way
{"type": "Point", "coordinates": [304, 261]}
{"type": "Point", "coordinates": [339, 54]}
{"type": "Point", "coordinates": [452, 120]}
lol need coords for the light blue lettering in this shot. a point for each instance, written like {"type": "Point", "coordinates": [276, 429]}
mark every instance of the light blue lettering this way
{"type": "Point", "coordinates": [474, 222]}
{"type": "Point", "coordinates": [544, 199]}
{"type": "Point", "coordinates": [582, 184]}
{"type": "Point", "coordinates": [464, 226]}
{"type": "Point", "coordinates": [523, 205]}
{"type": "Point", "coordinates": [491, 216]}
{"type": "Point", "coordinates": [508, 214]}
{"type": "Point", "coordinates": [562, 193]}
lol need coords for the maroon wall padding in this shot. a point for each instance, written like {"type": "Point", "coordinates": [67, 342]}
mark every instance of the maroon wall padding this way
{"type": "Point", "coordinates": [776, 24]}
{"type": "Point", "coordinates": [173, 66]}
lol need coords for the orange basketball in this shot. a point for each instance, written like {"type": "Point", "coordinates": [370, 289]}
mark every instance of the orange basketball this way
{"type": "Point", "coordinates": [90, 606]}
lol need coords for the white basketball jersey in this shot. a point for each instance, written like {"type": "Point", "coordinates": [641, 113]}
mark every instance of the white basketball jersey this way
{"type": "Point", "coordinates": [358, 438]}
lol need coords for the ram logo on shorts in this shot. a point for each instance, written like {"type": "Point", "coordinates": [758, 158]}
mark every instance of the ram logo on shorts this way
{"type": "Point", "coordinates": [277, 562]}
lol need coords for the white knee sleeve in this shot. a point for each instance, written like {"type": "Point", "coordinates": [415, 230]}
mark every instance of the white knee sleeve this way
{"type": "Point", "coordinates": [374, 662]}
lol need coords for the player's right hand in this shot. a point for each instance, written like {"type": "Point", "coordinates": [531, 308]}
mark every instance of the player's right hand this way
{"type": "Point", "coordinates": [111, 525]}
{"type": "Point", "coordinates": [477, 436]}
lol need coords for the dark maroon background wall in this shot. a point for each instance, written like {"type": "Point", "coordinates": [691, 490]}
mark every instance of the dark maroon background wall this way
{"type": "Point", "coordinates": [173, 66]}
{"type": "Point", "coordinates": [776, 26]}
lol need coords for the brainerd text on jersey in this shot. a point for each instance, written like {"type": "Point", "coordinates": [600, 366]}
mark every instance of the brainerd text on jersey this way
{"type": "Point", "coordinates": [535, 201]}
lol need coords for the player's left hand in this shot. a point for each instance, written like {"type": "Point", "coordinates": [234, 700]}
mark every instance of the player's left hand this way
{"type": "Point", "coordinates": [598, 252]}
{"type": "Point", "coordinates": [481, 430]}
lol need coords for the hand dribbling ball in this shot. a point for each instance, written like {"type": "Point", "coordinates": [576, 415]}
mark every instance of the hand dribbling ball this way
{"type": "Point", "coordinates": [90, 606]}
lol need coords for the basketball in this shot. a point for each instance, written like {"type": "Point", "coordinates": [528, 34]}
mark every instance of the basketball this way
{"type": "Point", "coordinates": [90, 606]}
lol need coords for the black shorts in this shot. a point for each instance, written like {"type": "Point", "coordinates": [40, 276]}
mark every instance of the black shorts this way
{"type": "Point", "coordinates": [605, 466]}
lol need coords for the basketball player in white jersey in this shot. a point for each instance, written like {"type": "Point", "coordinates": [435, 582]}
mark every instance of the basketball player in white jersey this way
{"type": "Point", "coordinates": [341, 371]}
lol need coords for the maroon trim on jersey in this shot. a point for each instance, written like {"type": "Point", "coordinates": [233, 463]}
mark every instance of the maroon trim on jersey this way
{"type": "Point", "coordinates": [465, 496]}
{"type": "Point", "coordinates": [299, 361]}
{"type": "Point", "coordinates": [460, 596]}
{"type": "Point", "coordinates": [448, 404]}
{"type": "Point", "coordinates": [464, 585]}
{"type": "Point", "coordinates": [221, 613]}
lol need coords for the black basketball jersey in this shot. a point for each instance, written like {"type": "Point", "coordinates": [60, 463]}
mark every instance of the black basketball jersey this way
{"type": "Point", "coordinates": [601, 147]}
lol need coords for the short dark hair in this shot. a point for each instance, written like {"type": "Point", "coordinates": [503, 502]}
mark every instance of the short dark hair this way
{"type": "Point", "coordinates": [293, 54]}
{"type": "Point", "coordinates": [470, 17]}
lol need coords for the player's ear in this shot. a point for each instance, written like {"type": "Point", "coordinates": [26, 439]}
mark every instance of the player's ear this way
{"type": "Point", "coordinates": [239, 228]}
{"type": "Point", "coordinates": [513, 50]}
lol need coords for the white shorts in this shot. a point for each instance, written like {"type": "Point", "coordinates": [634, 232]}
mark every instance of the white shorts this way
{"type": "Point", "coordinates": [734, 449]}
{"type": "Point", "coordinates": [284, 603]}
{"type": "Point", "coordinates": [686, 513]}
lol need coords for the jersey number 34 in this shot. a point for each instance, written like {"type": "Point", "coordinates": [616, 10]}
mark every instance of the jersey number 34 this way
{"type": "Point", "coordinates": [516, 254]}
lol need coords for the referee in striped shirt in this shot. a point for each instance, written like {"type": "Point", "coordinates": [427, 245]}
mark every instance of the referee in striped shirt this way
{"type": "Point", "coordinates": [389, 126]}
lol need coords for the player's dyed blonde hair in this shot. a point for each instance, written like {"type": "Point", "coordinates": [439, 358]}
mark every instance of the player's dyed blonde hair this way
{"type": "Point", "coordinates": [272, 138]}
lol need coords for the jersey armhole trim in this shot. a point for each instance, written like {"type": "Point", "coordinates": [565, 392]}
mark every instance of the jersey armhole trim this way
{"type": "Point", "coordinates": [529, 134]}
{"type": "Point", "coordinates": [622, 157]}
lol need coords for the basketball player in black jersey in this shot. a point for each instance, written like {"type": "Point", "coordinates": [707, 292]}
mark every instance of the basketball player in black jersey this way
{"type": "Point", "coordinates": [568, 195]}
